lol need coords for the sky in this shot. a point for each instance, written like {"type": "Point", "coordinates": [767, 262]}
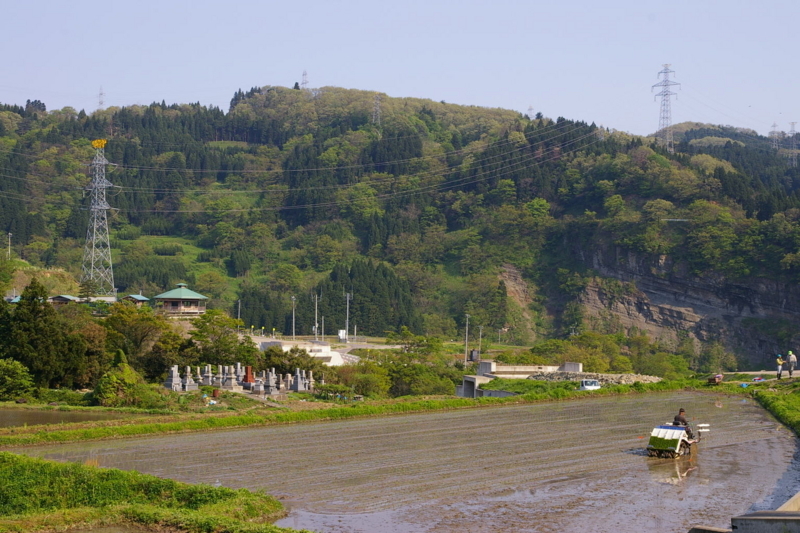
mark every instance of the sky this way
{"type": "Point", "coordinates": [580, 59]}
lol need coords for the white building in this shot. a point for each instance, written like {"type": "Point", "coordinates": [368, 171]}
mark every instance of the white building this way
{"type": "Point", "coordinates": [316, 349]}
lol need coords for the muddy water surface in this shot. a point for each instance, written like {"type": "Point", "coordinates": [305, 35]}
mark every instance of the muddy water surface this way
{"type": "Point", "coordinates": [568, 466]}
{"type": "Point", "coordinates": [32, 417]}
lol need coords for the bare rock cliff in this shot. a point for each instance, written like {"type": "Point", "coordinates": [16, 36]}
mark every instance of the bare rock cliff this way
{"type": "Point", "coordinates": [755, 319]}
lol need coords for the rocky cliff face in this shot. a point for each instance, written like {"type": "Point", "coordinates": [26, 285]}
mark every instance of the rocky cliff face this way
{"type": "Point", "coordinates": [756, 319]}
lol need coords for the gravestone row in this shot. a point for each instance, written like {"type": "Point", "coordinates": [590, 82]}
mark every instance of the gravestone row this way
{"type": "Point", "coordinates": [237, 378]}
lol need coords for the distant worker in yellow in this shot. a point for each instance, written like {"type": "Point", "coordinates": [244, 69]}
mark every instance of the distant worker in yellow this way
{"type": "Point", "coordinates": [779, 361]}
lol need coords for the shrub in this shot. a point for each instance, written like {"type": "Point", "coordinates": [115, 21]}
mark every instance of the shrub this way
{"type": "Point", "coordinates": [15, 380]}
{"type": "Point", "coordinates": [119, 387]}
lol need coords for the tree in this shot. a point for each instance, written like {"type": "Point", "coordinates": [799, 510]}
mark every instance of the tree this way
{"type": "Point", "coordinates": [88, 288]}
{"type": "Point", "coordinates": [121, 386]}
{"type": "Point", "coordinates": [15, 380]}
{"type": "Point", "coordinates": [133, 330]}
{"type": "Point", "coordinates": [37, 338]}
{"type": "Point", "coordinates": [217, 342]}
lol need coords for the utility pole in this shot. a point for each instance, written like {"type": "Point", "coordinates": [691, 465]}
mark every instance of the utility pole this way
{"type": "Point", "coordinates": [466, 341]}
{"type": "Point", "coordinates": [665, 119]}
{"type": "Point", "coordinates": [792, 146]}
{"type": "Point", "coordinates": [774, 135]}
{"type": "Point", "coordinates": [323, 328]}
{"type": "Point", "coordinates": [293, 300]}
{"type": "Point", "coordinates": [8, 255]}
{"type": "Point", "coordinates": [480, 338]}
{"type": "Point", "coordinates": [316, 322]}
{"type": "Point", "coordinates": [239, 315]}
{"type": "Point", "coordinates": [348, 296]}
{"type": "Point", "coordinates": [97, 252]}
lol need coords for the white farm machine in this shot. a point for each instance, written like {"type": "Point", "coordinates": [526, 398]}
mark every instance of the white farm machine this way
{"type": "Point", "coordinates": [670, 441]}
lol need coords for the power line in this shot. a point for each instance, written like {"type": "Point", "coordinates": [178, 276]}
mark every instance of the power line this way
{"type": "Point", "coordinates": [665, 118]}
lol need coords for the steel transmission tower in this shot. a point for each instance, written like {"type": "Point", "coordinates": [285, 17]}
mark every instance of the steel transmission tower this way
{"type": "Point", "coordinates": [792, 146]}
{"type": "Point", "coordinates": [304, 83]}
{"type": "Point", "coordinates": [97, 252]}
{"type": "Point", "coordinates": [665, 120]}
{"type": "Point", "coordinates": [376, 110]}
{"type": "Point", "coordinates": [101, 98]}
{"type": "Point", "coordinates": [775, 136]}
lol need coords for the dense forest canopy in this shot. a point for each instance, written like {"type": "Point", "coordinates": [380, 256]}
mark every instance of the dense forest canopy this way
{"type": "Point", "coordinates": [416, 212]}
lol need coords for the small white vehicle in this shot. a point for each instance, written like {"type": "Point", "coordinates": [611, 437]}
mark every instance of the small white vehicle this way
{"type": "Point", "coordinates": [589, 384]}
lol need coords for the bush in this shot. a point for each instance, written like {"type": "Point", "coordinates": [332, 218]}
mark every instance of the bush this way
{"type": "Point", "coordinates": [168, 249]}
{"type": "Point", "coordinates": [64, 396]}
{"type": "Point", "coordinates": [121, 387]}
{"type": "Point", "coordinates": [15, 380]}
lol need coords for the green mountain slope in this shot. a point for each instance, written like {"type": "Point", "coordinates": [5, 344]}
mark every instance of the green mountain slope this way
{"type": "Point", "coordinates": [432, 205]}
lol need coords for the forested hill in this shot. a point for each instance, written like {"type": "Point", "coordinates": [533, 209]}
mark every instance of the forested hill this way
{"type": "Point", "coordinates": [421, 210]}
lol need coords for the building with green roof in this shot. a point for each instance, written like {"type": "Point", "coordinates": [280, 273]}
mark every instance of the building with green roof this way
{"type": "Point", "coordinates": [181, 302]}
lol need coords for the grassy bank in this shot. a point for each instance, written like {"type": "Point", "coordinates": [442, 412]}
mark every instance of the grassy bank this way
{"type": "Point", "coordinates": [129, 428]}
{"type": "Point", "coordinates": [37, 495]}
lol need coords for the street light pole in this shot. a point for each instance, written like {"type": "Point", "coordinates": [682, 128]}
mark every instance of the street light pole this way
{"type": "Point", "coordinates": [466, 341]}
{"type": "Point", "coordinates": [293, 300]}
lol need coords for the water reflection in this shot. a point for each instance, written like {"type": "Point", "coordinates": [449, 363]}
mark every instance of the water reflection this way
{"type": "Point", "coordinates": [32, 417]}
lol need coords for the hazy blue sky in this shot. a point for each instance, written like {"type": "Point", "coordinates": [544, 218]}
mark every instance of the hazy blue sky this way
{"type": "Point", "coordinates": [588, 60]}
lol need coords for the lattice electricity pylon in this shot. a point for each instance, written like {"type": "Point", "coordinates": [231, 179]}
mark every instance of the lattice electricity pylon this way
{"type": "Point", "coordinates": [775, 136]}
{"type": "Point", "coordinates": [97, 252]}
{"type": "Point", "coordinates": [665, 120]}
{"type": "Point", "coordinates": [376, 110]}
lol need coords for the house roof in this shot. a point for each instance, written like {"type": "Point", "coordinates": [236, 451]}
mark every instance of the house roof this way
{"type": "Point", "coordinates": [138, 297]}
{"type": "Point", "coordinates": [181, 293]}
{"type": "Point", "coordinates": [66, 297]}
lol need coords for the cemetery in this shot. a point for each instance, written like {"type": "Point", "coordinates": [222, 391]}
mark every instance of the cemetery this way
{"type": "Point", "coordinates": [241, 379]}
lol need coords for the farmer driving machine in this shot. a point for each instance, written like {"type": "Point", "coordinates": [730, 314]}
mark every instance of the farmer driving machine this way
{"type": "Point", "coordinates": [670, 441]}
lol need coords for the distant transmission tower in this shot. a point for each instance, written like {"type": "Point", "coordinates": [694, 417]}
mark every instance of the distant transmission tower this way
{"type": "Point", "coordinates": [97, 252]}
{"type": "Point", "coordinates": [774, 135]}
{"type": "Point", "coordinates": [792, 146]}
{"type": "Point", "coordinates": [101, 98]}
{"type": "Point", "coordinates": [304, 83]}
{"type": "Point", "coordinates": [665, 120]}
{"type": "Point", "coordinates": [376, 110]}
{"type": "Point", "coordinates": [530, 112]}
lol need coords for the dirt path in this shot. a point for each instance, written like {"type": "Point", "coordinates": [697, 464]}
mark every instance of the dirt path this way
{"type": "Point", "coordinates": [569, 466]}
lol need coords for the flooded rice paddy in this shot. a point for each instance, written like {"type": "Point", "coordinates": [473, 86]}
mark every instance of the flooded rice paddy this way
{"type": "Point", "coordinates": [567, 466]}
{"type": "Point", "coordinates": [32, 417]}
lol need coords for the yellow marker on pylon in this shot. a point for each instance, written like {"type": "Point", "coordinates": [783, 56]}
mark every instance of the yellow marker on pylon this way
{"type": "Point", "coordinates": [99, 143]}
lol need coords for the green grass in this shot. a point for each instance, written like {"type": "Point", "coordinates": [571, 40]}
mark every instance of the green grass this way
{"type": "Point", "coordinates": [36, 494]}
